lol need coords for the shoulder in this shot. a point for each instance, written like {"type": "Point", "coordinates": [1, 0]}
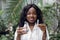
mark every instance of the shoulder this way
{"type": "Point", "coordinates": [42, 27]}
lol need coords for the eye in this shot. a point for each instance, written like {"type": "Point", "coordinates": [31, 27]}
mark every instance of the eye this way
{"type": "Point", "coordinates": [28, 13]}
{"type": "Point", "coordinates": [34, 13]}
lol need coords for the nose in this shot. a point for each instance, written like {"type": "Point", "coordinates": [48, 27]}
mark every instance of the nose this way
{"type": "Point", "coordinates": [31, 15]}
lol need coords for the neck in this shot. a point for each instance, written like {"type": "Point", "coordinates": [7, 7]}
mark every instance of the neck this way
{"type": "Point", "coordinates": [31, 25]}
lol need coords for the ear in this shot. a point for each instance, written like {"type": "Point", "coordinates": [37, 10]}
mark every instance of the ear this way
{"type": "Point", "coordinates": [42, 27]}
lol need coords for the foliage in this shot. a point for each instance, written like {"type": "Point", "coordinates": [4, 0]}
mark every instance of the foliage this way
{"type": "Point", "coordinates": [2, 25]}
{"type": "Point", "coordinates": [50, 12]}
{"type": "Point", "coordinates": [12, 14]}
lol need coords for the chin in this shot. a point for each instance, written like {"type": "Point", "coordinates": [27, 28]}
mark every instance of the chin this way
{"type": "Point", "coordinates": [32, 22]}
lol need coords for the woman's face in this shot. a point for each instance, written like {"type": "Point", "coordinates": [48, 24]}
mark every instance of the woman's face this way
{"type": "Point", "coordinates": [31, 15]}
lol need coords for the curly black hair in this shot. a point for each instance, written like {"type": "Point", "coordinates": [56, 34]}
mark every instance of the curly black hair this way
{"type": "Point", "coordinates": [24, 14]}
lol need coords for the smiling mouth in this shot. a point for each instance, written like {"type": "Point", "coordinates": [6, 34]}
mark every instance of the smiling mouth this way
{"type": "Point", "coordinates": [31, 19]}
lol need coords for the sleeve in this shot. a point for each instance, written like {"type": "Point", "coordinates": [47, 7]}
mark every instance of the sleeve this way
{"type": "Point", "coordinates": [15, 35]}
{"type": "Point", "coordinates": [47, 38]}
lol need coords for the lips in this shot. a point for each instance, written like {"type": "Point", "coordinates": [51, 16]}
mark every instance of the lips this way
{"type": "Point", "coordinates": [31, 19]}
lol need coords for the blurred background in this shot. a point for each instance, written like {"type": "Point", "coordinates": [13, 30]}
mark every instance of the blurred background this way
{"type": "Point", "coordinates": [10, 13]}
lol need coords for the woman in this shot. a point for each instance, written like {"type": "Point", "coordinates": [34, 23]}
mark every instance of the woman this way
{"type": "Point", "coordinates": [31, 25]}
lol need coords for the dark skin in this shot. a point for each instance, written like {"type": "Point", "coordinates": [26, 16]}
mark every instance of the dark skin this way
{"type": "Point", "coordinates": [31, 18]}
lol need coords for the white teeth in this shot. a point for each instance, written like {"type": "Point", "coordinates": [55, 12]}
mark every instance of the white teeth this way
{"type": "Point", "coordinates": [31, 19]}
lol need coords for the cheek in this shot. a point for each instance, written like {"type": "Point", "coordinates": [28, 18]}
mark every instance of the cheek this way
{"type": "Point", "coordinates": [27, 17]}
{"type": "Point", "coordinates": [34, 16]}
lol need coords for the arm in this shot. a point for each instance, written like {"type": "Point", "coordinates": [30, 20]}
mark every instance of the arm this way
{"type": "Point", "coordinates": [18, 37]}
{"type": "Point", "coordinates": [44, 36]}
{"type": "Point", "coordinates": [18, 33]}
{"type": "Point", "coordinates": [43, 28]}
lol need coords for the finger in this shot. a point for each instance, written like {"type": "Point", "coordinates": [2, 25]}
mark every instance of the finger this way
{"type": "Point", "coordinates": [42, 25]}
{"type": "Point", "coordinates": [24, 32]}
{"type": "Point", "coordinates": [21, 32]}
{"type": "Point", "coordinates": [19, 28]}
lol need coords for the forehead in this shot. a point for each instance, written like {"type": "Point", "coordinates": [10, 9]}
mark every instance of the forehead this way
{"type": "Point", "coordinates": [32, 9]}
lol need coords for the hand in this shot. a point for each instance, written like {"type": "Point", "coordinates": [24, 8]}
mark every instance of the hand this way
{"type": "Point", "coordinates": [20, 31]}
{"type": "Point", "coordinates": [42, 27]}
